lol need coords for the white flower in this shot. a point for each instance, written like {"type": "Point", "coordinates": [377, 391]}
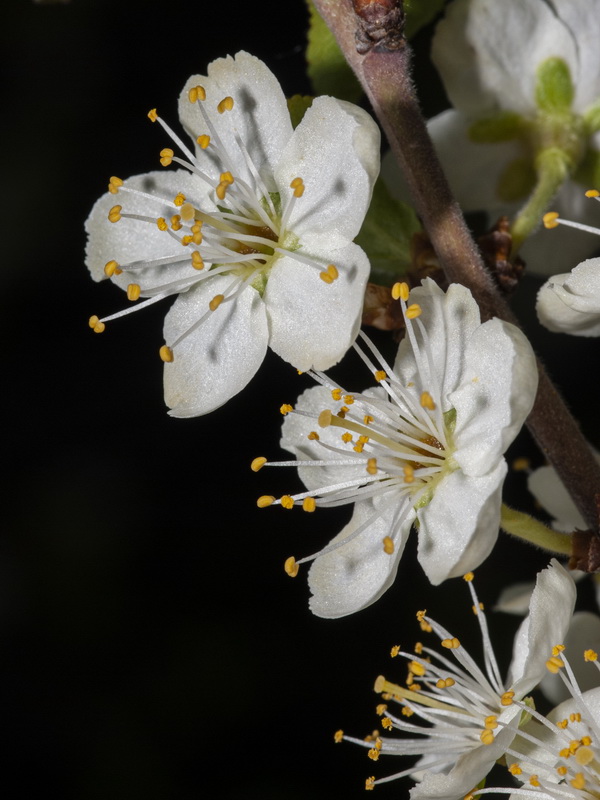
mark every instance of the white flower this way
{"type": "Point", "coordinates": [524, 79]}
{"type": "Point", "coordinates": [254, 235]}
{"type": "Point", "coordinates": [425, 448]}
{"type": "Point", "coordinates": [471, 716]}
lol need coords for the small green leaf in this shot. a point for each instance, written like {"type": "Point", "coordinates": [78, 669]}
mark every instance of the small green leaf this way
{"type": "Point", "coordinates": [328, 70]}
{"type": "Point", "coordinates": [385, 235]}
{"type": "Point", "coordinates": [592, 118]}
{"type": "Point", "coordinates": [298, 105]}
{"type": "Point", "coordinates": [501, 127]}
{"type": "Point", "coordinates": [554, 90]}
{"type": "Point", "coordinates": [419, 13]}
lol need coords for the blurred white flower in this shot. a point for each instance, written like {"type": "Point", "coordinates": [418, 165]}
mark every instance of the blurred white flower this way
{"type": "Point", "coordinates": [253, 235]}
{"type": "Point", "coordinates": [470, 715]}
{"type": "Point", "coordinates": [424, 448]}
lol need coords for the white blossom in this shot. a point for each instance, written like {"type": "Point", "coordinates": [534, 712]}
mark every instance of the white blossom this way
{"type": "Point", "coordinates": [253, 236]}
{"type": "Point", "coordinates": [425, 448]}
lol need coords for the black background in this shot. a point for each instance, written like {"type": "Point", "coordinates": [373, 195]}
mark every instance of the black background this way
{"type": "Point", "coordinates": [151, 645]}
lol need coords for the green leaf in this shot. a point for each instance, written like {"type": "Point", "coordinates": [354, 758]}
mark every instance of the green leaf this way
{"type": "Point", "coordinates": [554, 90]}
{"type": "Point", "coordinates": [501, 127]}
{"type": "Point", "coordinates": [420, 13]}
{"type": "Point", "coordinates": [328, 70]}
{"type": "Point", "coordinates": [298, 105]}
{"type": "Point", "coordinates": [385, 235]}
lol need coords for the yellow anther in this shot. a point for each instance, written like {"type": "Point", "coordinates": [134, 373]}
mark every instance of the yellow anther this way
{"type": "Point", "coordinates": [534, 780]}
{"type": "Point", "coordinates": [491, 722]}
{"type": "Point", "coordinates": [134, 291]}
{"type": "Point", "coordinates": [176, 222]}
{"type": "Point", "coordinates": [562, 724]}
{"type": "Point", "coordinates": [265, 500]}
{"type": "Point", "coordinates": [187, 212]}
{"type": "Point", "coordinates": [575, 717]}
{"type": "Point", "coordinates": [418, 648]}
{"type": "Point", "coordinates": [298, 186]}
{"type": "Point", "coordinates": [114, 215]}
{"type": "Point", "coordinates": [203, 141]}
{"type": "Point", "coordinates": [515, 769]}
{"type": "Point", "coordinates": [332, 270]}
{"type": "Point", "coordinates": [557, 649]}
{"type": "Point", "coordinates": [197, 262]}
{"type": "Point", "coordinates": [407, 712]}
{"type": "Point", "coordinates": [338, 736]}
{"type": "Point", "coordinates": [291, 567]}
{"type": "Point", "coordinates": [152, 115]}
{"type": "Point", "coordinates": [388, 545]}
{"type": "Point", "coordinates": [590, 655]}
{"type": "Point", "coordinates": [450, 644]}
{"type": "Point", "coordinates": [521, 464]}
{"type": "Point", "coordinates": [110, 268]}
{"type": "Point", "coordinates": [325, 277]}
{"type": "Point", "coordinates": [226, 104]}
{"type": "Point", "coordinates": [221, 189]}
{"type": "Point", "coordinates": [313, 436]}
{"type": "Point", "coordinates": [309, 504]}
{"type": "Point", "coordinates": [359, 447]}
{"type": "Point", "coordinates": [226, 177]}
{"type": "Point", "coordinates": [186, 240]}
{"type": "Point", "coordinates": [368, 419]}
{"type": "Point", "coordinates": [562, 771]}
{"type": "Point", "coordinates": [578, 781]}
{"type": "Point", "coordinates": [196, 93]}
{"type": "Point", "coordinates": [380, 709]}
{"type": "Point", "coordinates": [285, 409]}
{"type": "Point", "coordinates": [414, 311]}
{"type": "Point", "coordinates": [417, 668]}
{"type": "Point", "coordinates": [400, 291]}
{"type": "Point", "coordinates": [336, 394]}
{"type": "Point", "coordinates": [427, 401]}
{"type": "Point", "coordinates": [166, 354]}
{"type": "Point", "coordinates": [166, 156]}
{"type": "Point", "coordinates": [379, 375]}
{"type": "Point", "coordinates": [370, 783]}
{"type": "Point", "coordinates": [161, 224]}
{"type": "Point", "coordinates": [343, 411]}
{"type": "Point", "coordinates": [325, 418]}
{"type": "Point", "coordinates": [373, 754]}
{"type": "Point", "coordinates": [349, 399]}
{"type": "Point", "coordinates": [216, 302]}
{"type": "Point", "coordinates": [584, 755]}
{"type": "Point", "coordinates": [346, 437]}
{"type": "Point", "coordinates": [550, 219]}
{"type": "Point", "coordinates": [114, 184]}
{"type": "Point", "coordinates": [486, 737]}
{"type": "Point", "coordinates": [372, 466]}
{"type": "Point", "coordinates": [507, 698]}
{"type": "Point", "coordinates": [574, 746]}
{"type": "Point", "coordinates": [179, 199]}
{"type": "Point", "coordinates": [395, 650]}
{"type": "Point", "coordinates": [387, 723]}
{"type": "Point", "coordinates": [421, 615]}
{"type": "Point", "coordinates": [592, 193]}
{"type": "Point", "coordinates": [554, 664]}
{"type": "Point", "coordinates": [408, 473]}
{"type": "Point", "coordinates": [425, 626]}
{"type": "Point", "coordinates": [258, 463]}
{"type": "Point", "coordinates": [286, 501]}
{"type": "Point", "coordinates": [468, 576]}
{"type": "Point", "coordinates": [96, 325]}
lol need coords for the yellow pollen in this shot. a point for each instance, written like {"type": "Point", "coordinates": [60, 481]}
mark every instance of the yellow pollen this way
{"type": "Point", "coordinates": [372, 466]}
{"type": "Point", "coordinates": [346, 437]}
{"type": "Point", "coordinates": [96, 325]}
{"type": "Point", "coordinates": [187, 212]}
{"type": "Point", "coordinates": [332, 270]}
{"type": "Point", "coordinates": [521, 464]}
{"type": "Point", "coordinates": [216, 302]}
{"type": "Point", "coordinates": [380, 375]}
{"type": "Point", "coordinates": [557, 649]}
{"type": "Point", "coordinates": [196, 93]}
{"type": "Point", "coordinates": [491, 722]}
{"type": "Point", "coordinates": [417, 668]}
{"type": "Point", "coordinates": [368, 419]}
{"type": "Point", "coordinates": [381, 709]}
{"type": "Point", "coordinates": [197, 262]}
{"type": "Point", "coordinates": [427, 401]}
{"type": "Point", "coordinates": [486, 737]}
{"type": "Point", "coordinates": [562, 770]}
{"type": "Point", "coordinates": [325, 277]}
{"type": "Point", "coordinates": [115, 184]}
{"type": "Point", "coordinates": [576, 717]}
{"type": "Point", "coordinates": [343, 411]}
{"type": "Point", "coordinates": [291, 567]}
{"type": "Point", "coordinates": [325, 418]}
{"type": "Point", "coordinates": [309, 504]}
{"type": "Point", "coordinates": [226, 177]}
{"type": "Point", "coordinates": [578, 781]}
{"type": "Point", "coordinates": [387, 723]}
{"type": "Point", "coordinates": [584, 755]}
{"type": "Point", "coordinates": [338, 736]}
{"type": "Point", "coordinates": [166, 354]}
{"type": "Point", "coordinates": [114, 215]}
{"type": "Point", "coordinates": [286, 501]}
{"type": "Point", "coordinates": [421, 615]}
{"type": "Point", "coordinates": [550, 220]}
{"type": "Point", "coordinates": [336, 394]}
{"type": "Point", "coordinates": [373, 754]}
{"type": "Point", "coordinates": [265, 500]}
{"type": "Point", "coordinates": [450, 644]}
{"type": "Point", "coordinates": [258, 463]}
{"type": "Point", "coordinates": [152, 115]}
{"type": "Point", "coordinates": [407, 712]}
{"type": "Point", "coordinates": [468, 576]}
{"type": "Point", "coordinates": [507, 698]}
{"type": "Point", "coordinates": [413, 311]}
{"type": "Point", "coordinates": [285, 409]}
{"type": "Point", "coordinates": [166, 156]}
{"type": "Point", "coordinates": [298, 186]}
{"type": "Point", "coordinates": [179, 199]}
{"type": "Point", "coordinates": [133, 292]}
{"type": "Point", "coordinates": [592, 193]}
{"type": "Point", "coordinates": [574, 746]}
{"type": "Point", "coordinates": [418, 648]}
{"type": "Point", "coordinates": [388, 545]}
{"type": "Point", "coordinates": [395, 650]}
{"type": "Point", "coordinates": [176, 222]}
{"type": "Point", "coordinates": [564, 753]}
{"type": "Point", "coordinates": [203, 140]}
{"type": "Point", "coordinates": [110, 268]}
{"type": "Point", "coordinates": [562, 724]}
{"type": "Point", "coordinates": [226, 104]}
{"type": "Point", "coordinates": [534, 780]}
{"type": "Point", "coordinates": [586, 741]}
{"type": "Point", "coordinates": [221, 189]}
{"type": "Point", "coordinates": [161, 223]}
{"type": "Point", "coordinates": [349, 399]}
{"type": "Point", "coordinates": [515, 769]}
{"type": "Point", "coordinates": [313, 436]}
{"type": "Point", "coordinates": [370, 783]}
{"type": "Point", "coordinates": [408, 473]}
{"type": "Point", "coordinates": [359, 447]}
{"type": "Point", "coordinates": [590, 655]}
{"type": "Point", "coordinates": [445, 683]}
{"type": "Point", "coordinates": [400, 291]}
{"type": "Point", "coordinates": [554, 664]}
{"type": "Point", "coordinates": [186, 240]}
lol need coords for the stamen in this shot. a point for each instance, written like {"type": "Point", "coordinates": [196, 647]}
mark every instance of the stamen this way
{"type": "Point", "coordinates": [114, 215]}
{"type": "Point", "coordinates": [114, 184]}
{"type": "Point", "coordinates": [166, 354]}
{"type": "Point", "coordinates": [291, 567]}
{"type": "Point", "coordinates": [226, 104]}
{"type": "Point", "coordinates": [203, 140]}
{"type": "Point", "coordinates": [196, 93]}
{"type": "Point", "coordinates": [96, 325]}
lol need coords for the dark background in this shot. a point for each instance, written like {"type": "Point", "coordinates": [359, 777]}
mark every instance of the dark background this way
{"type": "Point", "coordinates": [151, 645]}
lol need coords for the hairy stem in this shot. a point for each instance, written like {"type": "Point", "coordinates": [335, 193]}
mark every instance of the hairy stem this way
{"type": "Point", "coordinates": [531, 530]}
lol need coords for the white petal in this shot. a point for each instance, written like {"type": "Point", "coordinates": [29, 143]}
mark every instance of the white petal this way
{"type": "Point", "coordinates": [551, 609]}
{"type": "Point", "coordinates": [313, 323]}
{"type": "Point", "coordinates": [584, 634]}
{"type": "Point", "coordinates": [335, 150]}
{"type": "Point", "coordinates": [217, 360]}
{"type": "Point", "coordinates": [496, 394]}
{"type": "Point", "coordinates": [132, 240]}
{"type": "Point", "coordinates": [459, 527]}
{"type": "Point", "coordinates": [487, 53]}
{"type": "Point", "coordinates": [547, 488]}
{"type": "Point", "coordinates": [295, 430]}
{"type": "Point", "coordinates": [259, 115]}
{"type": "Point", "coordinates": [515, 599]}
{"type": "Point", "coordinates": [355, 575]}
{"type": "Point", "coordinates": [570, 303]}
{"type": "Point", "coordinates": [450, 319]}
